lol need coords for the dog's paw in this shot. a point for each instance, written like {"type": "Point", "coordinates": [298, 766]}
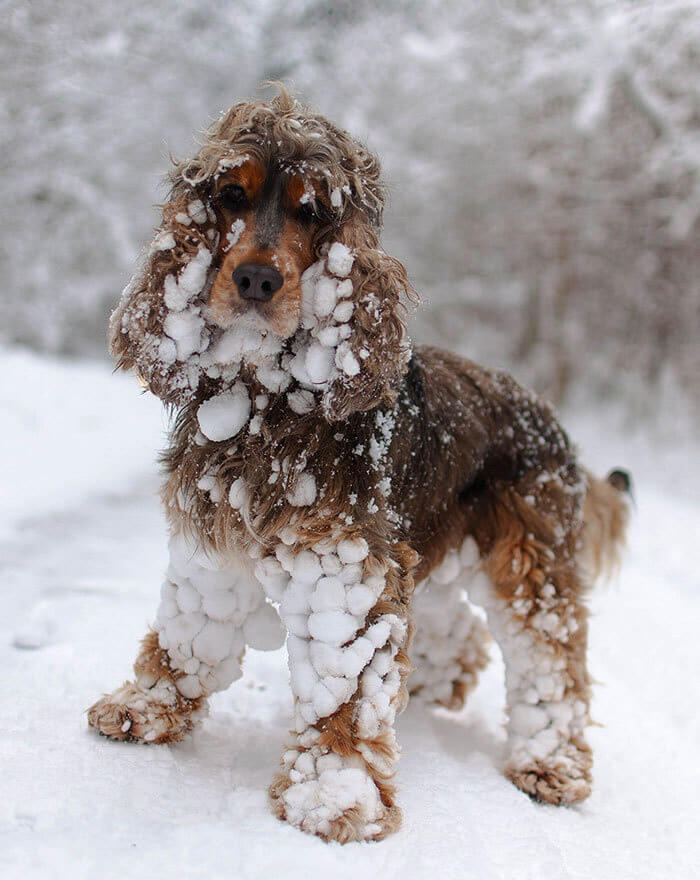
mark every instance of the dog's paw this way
{"type": "Point", "coordinates": [561, 779]}
{"type": "Point", "coordinates": [159, 714]}
{"type": "Point", "coordinates": [339, 803]}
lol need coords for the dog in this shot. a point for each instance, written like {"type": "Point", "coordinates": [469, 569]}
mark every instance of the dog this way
{"type": "Point", "coordinates": [327, 481]}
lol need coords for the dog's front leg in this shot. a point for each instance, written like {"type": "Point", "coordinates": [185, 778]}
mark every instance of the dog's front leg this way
{"type": "Point", "coordinates": [346, 609]}
{"type": "Point", "coordinates": [211, 608]}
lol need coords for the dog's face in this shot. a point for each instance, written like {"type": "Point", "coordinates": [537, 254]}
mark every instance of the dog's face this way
{"type": "Point", "coordinates": [267, 218]}
{"type": "Point", "coordinates": [274, 190]}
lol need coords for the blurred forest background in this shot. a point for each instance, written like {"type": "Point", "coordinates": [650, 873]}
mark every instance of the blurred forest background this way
{"type": "Point", "coordinates": [543, 158]}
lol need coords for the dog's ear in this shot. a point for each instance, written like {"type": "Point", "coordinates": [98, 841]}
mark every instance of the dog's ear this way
{"type": "Point", "coordinates": [158, 328]}
{"type": "Point", "coordinates": [374, 350]}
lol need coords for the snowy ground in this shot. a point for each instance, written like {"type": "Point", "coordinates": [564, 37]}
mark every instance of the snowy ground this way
{"type": "Point", "coordinates": [82, 547]}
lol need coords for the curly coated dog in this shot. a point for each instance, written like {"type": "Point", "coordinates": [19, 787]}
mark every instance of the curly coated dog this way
{"type": "Point", "coordinates": [328, 481]}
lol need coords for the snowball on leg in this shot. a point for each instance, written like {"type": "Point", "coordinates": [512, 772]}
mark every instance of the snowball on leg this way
{"type": "Point", "coordinates": [450, 645]}
{"type": "Point", "coordinates": [211, 607]}
{"type": "Point", "coordinates": [347, 665]}
{"type": "Point", "coordinates": [540, 626]}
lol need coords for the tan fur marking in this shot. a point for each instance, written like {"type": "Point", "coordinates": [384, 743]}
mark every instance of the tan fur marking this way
{"type": "Point", "coordinates": [122, 716]}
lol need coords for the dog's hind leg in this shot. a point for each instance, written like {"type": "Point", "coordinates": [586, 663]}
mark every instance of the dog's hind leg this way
{"type": "Point", "coordinates": [450, 644]}
{"type": "Point", "coordinates": [347, 611]}
{"type": "Point", "coordinates": [210, 609]}
{"type": "Point", "coordinates": [533, 596]}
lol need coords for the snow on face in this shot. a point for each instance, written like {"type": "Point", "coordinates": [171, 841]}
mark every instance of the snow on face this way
{"type": "Point", "coordinates": [317, 355]}
{"type": "Point", "coordinates": [229, 162]}
{"type": "Point", "coordinates": [236, 231]}
{"type": "Point", "coordinates": [180, 291]}
{"type": "Point", "coordinates": [323, 353]}
{"type": "Point", "coordinates": [197, 211]}
{"type": "Point", "coordinates": [185, 329]}
{"type": "Point", "coordinates": [319, 351]}
{"type": "Point", "coordinates": [240, 343]}
{"type": "Point", "coordinates": [340, 260]}
{"type": "Point", "coordinates": [164, 241]}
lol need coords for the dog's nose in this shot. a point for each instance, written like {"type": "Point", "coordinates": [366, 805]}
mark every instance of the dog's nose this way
{"type": "Point", "coordinates": [257, 282]}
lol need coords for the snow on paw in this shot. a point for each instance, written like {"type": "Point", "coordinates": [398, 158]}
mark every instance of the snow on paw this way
{"type": "Point", "coordinates": [339, 803]}
{"type": "Point", "coordinates": [151, 715]}
{"type": "Point", "coordinates": [561, 779]}
{"type": "Point", "coordinates": [351, 827]}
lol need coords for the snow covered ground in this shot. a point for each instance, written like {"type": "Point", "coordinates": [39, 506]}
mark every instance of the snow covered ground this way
{"type": "Point", "coordinates": [82, 548]}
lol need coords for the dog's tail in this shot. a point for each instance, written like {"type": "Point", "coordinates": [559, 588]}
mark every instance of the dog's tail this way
{"type": "Point", "coordinates": [606, 514]}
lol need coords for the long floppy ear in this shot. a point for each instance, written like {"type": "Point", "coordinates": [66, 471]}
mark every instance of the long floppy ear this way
{"type": "Point", "coordinates": [158, 328]}
{"type": "Point", "coordinates": [373, 349]}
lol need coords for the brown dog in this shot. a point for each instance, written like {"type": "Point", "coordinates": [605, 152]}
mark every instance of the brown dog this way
{"type": "Point", "coordinates": [318, 461]}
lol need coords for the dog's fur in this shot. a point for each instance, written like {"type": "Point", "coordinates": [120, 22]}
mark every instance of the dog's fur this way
{"type": "Point", "coordinates": [452, 474]}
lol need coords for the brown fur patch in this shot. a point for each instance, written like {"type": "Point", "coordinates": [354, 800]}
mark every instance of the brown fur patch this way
{"type": "Point", "coordinates": [122, 716]}
{"type": "Point", "coordinates": [567, 782]}
{"type": "Point", "coordinates": [250, 175]}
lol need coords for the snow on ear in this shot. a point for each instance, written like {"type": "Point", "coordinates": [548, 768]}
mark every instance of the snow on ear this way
{"type": "Point", "coordinates": [364, 297]}
{"type": "Point", "coordinates": [158, 328]}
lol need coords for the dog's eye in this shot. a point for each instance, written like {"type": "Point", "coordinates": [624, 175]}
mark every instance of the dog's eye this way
{"type": "Point", "coordinates": [310, 212]}
{"type": "Point", "coordinates": [232, 197]}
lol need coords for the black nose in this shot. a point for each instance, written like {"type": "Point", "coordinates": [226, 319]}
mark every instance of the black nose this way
{"type": "Point", "coordinates": [257, 282]}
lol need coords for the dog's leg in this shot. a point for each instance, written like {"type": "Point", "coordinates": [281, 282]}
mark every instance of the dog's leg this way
{"type": "Point", "coordinates": [450, 645]}
{"type": "Point", "coordinates": [347, 611]}
{"type": "Point", "coordinates": [210, 609]}
{"type": "Point", "coordinates": [536, 614]}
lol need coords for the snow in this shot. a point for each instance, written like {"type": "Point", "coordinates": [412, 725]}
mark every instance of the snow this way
{"type": "Point", "coordinates": [301, 402]}
{"type": "Point", "coordinates": [223, 416]}
{"type": "Point", "coordinates": [238, 493]}
{"type": "Point", "coordinates": [306, 568]}
{"type": "Point", "coordinates": [326, 793]}
{"type": "Point", "coordinates": [304, 491]}
{"type": "Point", "coordinates": [189, 283]}
{"type": "Point", "coordinates": [236, 231]}
{"type": "Point", "coordinates": [84, 550]}
{"type": "Point", "coordinates": [197, 211]}
{"type": "Point", "coordinates": [318, 353]}
{"type": "Point", "coordinates": [352, 550]}
{"type": "Point", "coordinates": [326, 295]}
{"type": "Point", "coordinates": [343, 312]}
{"type": "Point", "coordinates": [319, 363]}
{"type": "Point", "coordinates": [63, 424]}
{"type": "Point", "coordinates": [340, 259]}
{"type": "Point", "coordinates": [346, 361]}
{"type": "Point", "coordinates": [185, 328]}
{"type": "Point", "coordinates": [164, 241]}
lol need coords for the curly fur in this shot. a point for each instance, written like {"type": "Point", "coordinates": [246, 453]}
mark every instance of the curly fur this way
{"type": "Point", "coordinates": [444, 474]}
{"type": "Point", "coordinates": [295, 137]}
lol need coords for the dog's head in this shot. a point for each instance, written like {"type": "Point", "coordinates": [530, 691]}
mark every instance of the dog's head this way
{"type": "Point", "coordinates": [268, 254]}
